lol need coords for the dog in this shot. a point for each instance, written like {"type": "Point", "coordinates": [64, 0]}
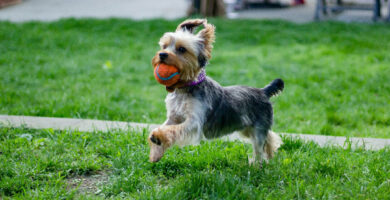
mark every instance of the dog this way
{"type": "Point", "coordinates": [199, 108]}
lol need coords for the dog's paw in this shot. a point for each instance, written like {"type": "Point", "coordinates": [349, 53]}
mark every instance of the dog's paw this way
{"type": "Point", "coordinates": [155, 131]}
{"type": "Point", "coordinates": [162, 135]}
{"type": "Point", "coordinates": [255, 162]}
{"type": "Point", "coordinates": [155, 136]}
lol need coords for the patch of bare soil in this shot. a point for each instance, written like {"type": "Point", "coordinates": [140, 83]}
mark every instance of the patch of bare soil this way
{"type": "Point", "coordinates": [90, 184]}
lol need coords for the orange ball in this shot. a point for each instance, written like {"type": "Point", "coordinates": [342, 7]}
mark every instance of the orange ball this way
{"type": "Point", "coordinates": [167, 75]}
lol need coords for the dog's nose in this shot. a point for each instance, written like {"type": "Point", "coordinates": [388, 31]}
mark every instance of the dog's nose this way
{"type": "Point", "coordinates": [163, 56]}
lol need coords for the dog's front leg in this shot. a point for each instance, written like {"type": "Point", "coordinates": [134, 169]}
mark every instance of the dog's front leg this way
{"type": "Point", "coordinates": [166, 135]}
{"type": "Point", "coordinates": [179, 127]}
{"type": "Point", "coordinates": [170, 132]}
{"type": "Point", "coordinates": [170, 121]}
{"type": "Point", "coordinates": [179, 133]}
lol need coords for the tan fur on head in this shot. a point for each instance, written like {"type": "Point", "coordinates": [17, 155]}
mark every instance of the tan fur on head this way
{"type": "Point", "coordinates": [191, 24]}
{"type": "Point", "coordinates": [187, 51]}
{"type": "Point", "coordinates": [208, 35]}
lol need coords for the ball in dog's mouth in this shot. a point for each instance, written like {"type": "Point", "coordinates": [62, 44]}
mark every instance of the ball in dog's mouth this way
{"type": "Point", "coordinates": [167, 75]}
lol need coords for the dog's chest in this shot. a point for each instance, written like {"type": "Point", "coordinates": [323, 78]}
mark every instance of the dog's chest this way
{"type": "Point", "coordinates": [178, 105]}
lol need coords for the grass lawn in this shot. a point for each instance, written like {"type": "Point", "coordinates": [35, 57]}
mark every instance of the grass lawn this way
{"type": "Point", "coordinates": [336, 74]}
{"type": "Point", "coordinates": [46, 164]}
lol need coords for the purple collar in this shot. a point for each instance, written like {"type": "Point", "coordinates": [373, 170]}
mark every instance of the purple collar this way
{"type": "Point", "coordinates": [200, 79]}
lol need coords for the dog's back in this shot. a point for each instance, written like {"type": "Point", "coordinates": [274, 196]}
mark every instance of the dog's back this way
{"type": "Point", "coordinates": [234, 108]}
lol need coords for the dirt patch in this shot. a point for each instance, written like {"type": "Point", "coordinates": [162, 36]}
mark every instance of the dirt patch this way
{"type": "Point", "coordinates": [88, 184]}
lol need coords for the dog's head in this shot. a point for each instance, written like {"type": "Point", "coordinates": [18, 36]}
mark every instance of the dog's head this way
{"type": "Point", "coordinates": [185, 49]}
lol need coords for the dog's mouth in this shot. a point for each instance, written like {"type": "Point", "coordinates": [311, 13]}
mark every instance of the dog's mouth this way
{"type": "Point", "coordinates": [170, 88]}
{"type": "Point", "coordinates": [162, 62]}
{"type": "Point", "coordinates": [180, 83]}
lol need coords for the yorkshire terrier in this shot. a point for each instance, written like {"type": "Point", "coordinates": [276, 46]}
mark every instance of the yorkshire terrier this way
{"type": "Point", "coordinates": [198, 107]}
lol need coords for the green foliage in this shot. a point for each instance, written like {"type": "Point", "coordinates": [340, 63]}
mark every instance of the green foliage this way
{"type": "Point", "coordinates": [336, 74]}
{"type": "Point", "coordinates": [37, 164]}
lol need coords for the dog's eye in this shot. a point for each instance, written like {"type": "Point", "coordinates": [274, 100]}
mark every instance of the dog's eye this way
{"type": "Point", "coordinates": [181, 49]}
{"type": "Point", "coordinates": [164, 46]}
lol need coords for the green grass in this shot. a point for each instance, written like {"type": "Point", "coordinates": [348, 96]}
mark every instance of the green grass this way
{"type": "Point", "coordinates": [336, 74]}
{"type": "Point", "coordinates": [38, 164]}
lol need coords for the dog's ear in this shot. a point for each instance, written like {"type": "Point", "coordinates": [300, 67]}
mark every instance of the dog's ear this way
{"type": "Point", "coordinates": [190, 25]}
{"type": "Point", "coordinates": [208, 36]}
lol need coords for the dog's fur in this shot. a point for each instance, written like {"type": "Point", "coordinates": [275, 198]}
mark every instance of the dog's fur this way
{"type": "Point", "coordinates": [208, 110]}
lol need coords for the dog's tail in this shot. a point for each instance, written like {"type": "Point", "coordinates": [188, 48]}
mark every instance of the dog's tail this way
{"type": "Point", "coordinates": [275, 87]}
{"type": "Point", "coordinates": [272, 144]}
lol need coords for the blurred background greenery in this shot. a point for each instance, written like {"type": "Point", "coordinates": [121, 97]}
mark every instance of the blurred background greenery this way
{"type": "Point", "coordinates": [336, 74]}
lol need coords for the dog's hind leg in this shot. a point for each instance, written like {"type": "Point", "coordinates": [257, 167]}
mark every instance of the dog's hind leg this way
{"type": "Point", "coordinates": [258, 139]}
{"type": "Point", "coordinates": [272, 144]}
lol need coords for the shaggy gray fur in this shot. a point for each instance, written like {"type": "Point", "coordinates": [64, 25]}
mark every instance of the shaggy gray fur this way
{"type": "Point", "coordinates": [235, 108]}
